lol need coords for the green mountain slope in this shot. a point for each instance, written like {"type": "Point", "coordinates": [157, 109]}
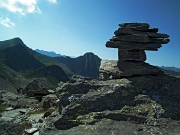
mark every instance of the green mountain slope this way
{"type": "Point", "coordinates": [10, 43]}
{"type": "Point", "coordinates": [30, 64]}
{"type": "Point", "coordinates": [86, 65]}
{"type": "Point", "coordinates": [18, 58]}
{"type": "Point", "coordinates": [18, 66]}
{"type": "Point", "coordinates": [52, 71]}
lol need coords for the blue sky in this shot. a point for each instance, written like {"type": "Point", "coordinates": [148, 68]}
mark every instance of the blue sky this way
{"type": "Point", "coordinates": [74, 27]}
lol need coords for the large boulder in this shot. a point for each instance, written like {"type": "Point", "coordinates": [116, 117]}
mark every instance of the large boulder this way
{"type": "Point", "coordinates": [49, 101]}
{"type": "Point", "coordinates": [36, 89]}
{"type": "Point", "coordinates": [9, 128]}
{"type": "Point", "coordinates": [113, 69]}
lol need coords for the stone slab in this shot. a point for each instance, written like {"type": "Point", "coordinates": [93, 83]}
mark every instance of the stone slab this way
{"type": "Point", "coordinates": [135, 26]}
{"type": "Point", "coordinates": [131, 55]}
{"type": "Point", "coordinates": [133, 46]}
{"type": "Point", "coordinates": [123, 31]}
{"type": "Point", "coordinates": [132, 38]}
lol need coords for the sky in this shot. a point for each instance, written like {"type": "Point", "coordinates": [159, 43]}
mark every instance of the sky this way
{"type": "Point", "coordinates": [74, 27]}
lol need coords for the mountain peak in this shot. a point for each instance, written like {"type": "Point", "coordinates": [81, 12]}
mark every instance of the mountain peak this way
{"type": "Point", "coordinates": [11, 42]}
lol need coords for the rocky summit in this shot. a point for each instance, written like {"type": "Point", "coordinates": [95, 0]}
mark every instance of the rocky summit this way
{"type": "Point", "coordinates": [131, 98]}
{"type": "Point", "coordinates": [132, 39]}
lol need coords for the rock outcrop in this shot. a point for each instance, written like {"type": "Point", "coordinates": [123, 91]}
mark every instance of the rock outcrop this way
{"type": "Point", "coordinates": [129, 90]}
{"type": "Point", "coordinates": [85, 103]}
{"type": "Point", "coordinates": [132, 39]}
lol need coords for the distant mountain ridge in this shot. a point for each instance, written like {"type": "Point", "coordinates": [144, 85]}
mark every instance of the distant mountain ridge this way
{"type": "Point", "coordinates": [171, 68]}
{"type": "Point", "coordinates": [49, 53]}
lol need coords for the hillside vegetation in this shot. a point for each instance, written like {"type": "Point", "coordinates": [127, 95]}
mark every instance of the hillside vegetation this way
{"type": "Point", "coordinates": [19, 65]}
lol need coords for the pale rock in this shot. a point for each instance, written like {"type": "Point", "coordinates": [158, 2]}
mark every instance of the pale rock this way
{"type": "Point", "coordinates": [31, 131]}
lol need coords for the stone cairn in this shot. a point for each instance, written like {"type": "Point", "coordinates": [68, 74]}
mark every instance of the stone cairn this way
{"type": "Point", "coordinates": [132, 39]}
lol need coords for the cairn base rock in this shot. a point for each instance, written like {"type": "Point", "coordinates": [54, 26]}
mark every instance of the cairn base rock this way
{"type": "Point", "coordinates": [113, 69]}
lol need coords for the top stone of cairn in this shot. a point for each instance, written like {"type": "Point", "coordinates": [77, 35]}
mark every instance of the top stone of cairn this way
{"type": "Point", "coordinates": [137, 36]}
{"type": "Point", "coordinates": [135, 26]}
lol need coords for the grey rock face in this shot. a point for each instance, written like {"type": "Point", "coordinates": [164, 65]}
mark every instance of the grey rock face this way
{"type": "Point", "coordinates": [31, 131]}
{"type": "Point", "coordinates": [115, 99]}
{"type": "Point", "coordinates": [9, 128]}
{"type": "Point", "coordinates": [131, 55]}
{"type": "Point", "coordinates": [49, 101]}
{"type": "Point", "coordinates": [111, 69]}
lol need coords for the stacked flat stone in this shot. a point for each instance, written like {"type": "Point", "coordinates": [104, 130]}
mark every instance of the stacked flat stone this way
{"type": "Point", "coordinates": [132, 39]}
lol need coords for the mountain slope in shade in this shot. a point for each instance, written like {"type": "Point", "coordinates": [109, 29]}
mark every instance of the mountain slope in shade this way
{"type": "Point", "coordinates": [86, 65]}
{"type": "Point", "coordinates": [18, 58]}
{"type": "Point", "coordinates": [53, 71]}
{"type": "Point", "coordinates": [18, 66]}
{"type": "Point", "coordinates": [10, 43]}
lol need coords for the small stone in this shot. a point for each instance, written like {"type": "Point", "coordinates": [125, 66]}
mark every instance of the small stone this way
{"type": "Point", "coordinates": [23, 111]}
{"type": "Point", "coordinates": [31, 131]}
{"type": "Point", "coordinates": [36, 133]}
{"type": "Point", "coordinates": [46, 114]}
{"type": "Point", "coordinates": [51, 91]}
{"type": "Point", "coordinates": [40, 121]}
{"type": "Point", "coordinates": [9, 109]}
{"type": "Point", "coordinates": [49, 100]}
{"type": "Point", "coordinates": [153, 30]}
